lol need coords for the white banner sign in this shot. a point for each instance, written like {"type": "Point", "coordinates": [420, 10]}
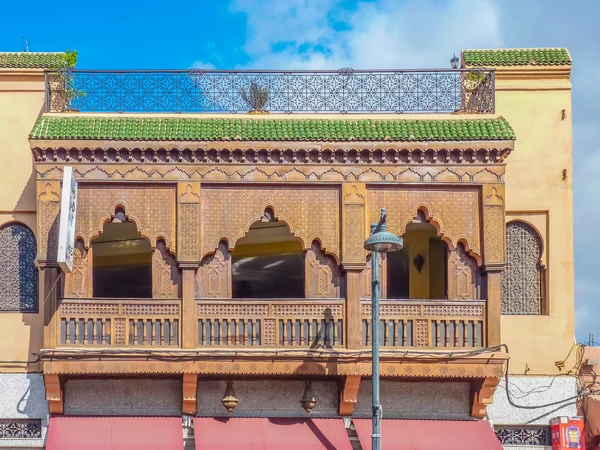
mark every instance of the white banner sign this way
{"type": "Point", "coordinates": [66, 232]}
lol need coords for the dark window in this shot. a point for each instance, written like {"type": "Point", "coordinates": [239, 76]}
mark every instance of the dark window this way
{"type": "Point", "coordinates": [268, 262]}
{"type": "Point", "coordinates": [122, 262]}
{"type": "Point", "coordinates": [397, 274]}
{"type": "Point", "coordinates": [18, 274]}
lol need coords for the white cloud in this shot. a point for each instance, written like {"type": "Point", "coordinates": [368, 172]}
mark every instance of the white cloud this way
{"type": "Point", "coordinates": [301, 34]}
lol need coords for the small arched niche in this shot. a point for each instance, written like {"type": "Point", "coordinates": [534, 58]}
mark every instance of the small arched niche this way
{"type": "Point", "coordinates": [268, 262]}
{"type": "Point", "coordinates": [121, 260]}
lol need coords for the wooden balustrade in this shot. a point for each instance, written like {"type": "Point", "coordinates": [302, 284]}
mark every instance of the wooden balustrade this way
{"type": "Point", "coordinates": [307, 323]}
{"type": "Point", "coordinates": [122, 322]}
{"type": "Point", "coordinates": [427, 323]}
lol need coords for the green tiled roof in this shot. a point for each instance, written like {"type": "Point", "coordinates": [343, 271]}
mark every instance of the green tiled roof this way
{"type": "Point", "coordinates": [224, 129]}
{"type": "Point", "coordinates": [31, 60]}
{"type": "Point", "coordinates": [517, 57]}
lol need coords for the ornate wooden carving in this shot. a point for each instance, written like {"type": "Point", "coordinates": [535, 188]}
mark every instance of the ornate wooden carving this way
{"type": "Point", "coordinates": [335, 364]}
{"type": "Point", "coordinates": [454, 212]}
{"type": "Point", "coordinates": [366, 287]}
{"type": "Point", "coordinates": [482, 393]}
{"type": "Point", "coordinates": [190, 386]}
{"type": "Point", "coordinates": [353, 223]}
{"type": "Point", "coordinates": [349, 394]}
{"type": "Point", "coordinates": [48, 210]}
{"type": "Point", "coordinates": [77, 283]}
{"type": "Point", "coordinates": [54, 393]}
{"type": "Point", "coordinates": [165, 274]}
{"type": "Point", "coordinates": [310, 213]}
{"type": "Point", "coordinates": [151, 208]}
{"type": "Point", "coordinates": [213, 279]}
{"type": "Point", "coordinates": [494, 234]}
{"type": "Point", "coordinates": [322, 274]}
{"type": "Point", "coordinates": [493, 307]}
{"type": "Point", "coordinates": [462, 275]}
{"type": "Point", "coordinates": [189, 222]}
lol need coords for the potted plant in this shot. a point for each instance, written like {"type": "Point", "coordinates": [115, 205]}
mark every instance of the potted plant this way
{"type": "Point", "coordinates": [66, 80]}
{"type": "Point", "coordinates": [256, 98]}
{"type": "Point", "coordinates": [472, 83]}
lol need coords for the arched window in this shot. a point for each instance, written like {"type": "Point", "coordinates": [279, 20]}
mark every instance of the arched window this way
{"type": "Point", "coordinates": [268, 262]}
{"type": "Point", "coordinates": [121, 261]}
{"type": "Point", "coordinates": [521, 281]}
{"type": "Point", "coordinates": [18, 274]}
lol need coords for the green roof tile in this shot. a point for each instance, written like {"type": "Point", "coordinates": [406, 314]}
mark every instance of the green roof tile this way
{"type": "Point", "coordinates": [31, 60]}
{"type": "Point", "coordinates": [221, 129]}
{"type": "Point", "coordinates": [517, 57]}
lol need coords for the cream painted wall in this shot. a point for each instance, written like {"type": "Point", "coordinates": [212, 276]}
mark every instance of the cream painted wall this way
{"type": "Point", "coordinates": [21, 101]}
{"type": "Point", "coordinates": [533, 101]}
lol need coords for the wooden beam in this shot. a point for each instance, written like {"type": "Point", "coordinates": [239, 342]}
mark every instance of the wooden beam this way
{"type": "Point", "coordinates": [482, 393]}
{"type": "Point", "coordinates": [190, 384]}
{"type": "Point", "coordinates": [54, 393]}
{"type": "Point", "coordinates": [349, 394]}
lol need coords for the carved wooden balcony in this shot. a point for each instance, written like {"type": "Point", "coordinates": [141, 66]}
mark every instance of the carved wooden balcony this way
{"type": "Point", "coordinates": [305, 323]}
{"type": "Point", "coordinates": [427, 323]}
{"type": "Point", "coordinates": [119, 322]}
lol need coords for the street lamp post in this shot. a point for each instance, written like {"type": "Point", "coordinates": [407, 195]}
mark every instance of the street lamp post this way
{"type": "Point", "coordinates": [380, 241]}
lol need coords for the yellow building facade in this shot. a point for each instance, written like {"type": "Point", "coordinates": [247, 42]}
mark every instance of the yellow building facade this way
{"type": "Point", "coordinates": [217, 251]}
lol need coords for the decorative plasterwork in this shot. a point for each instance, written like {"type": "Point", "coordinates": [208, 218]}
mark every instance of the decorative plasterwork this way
{"type": "Point", "coordinates": [455, 213]}
{"type": "Point", "coordinates": [213, 279]}
{"type": "Point", "coordinates": [493, 224]}
{"type": "Point", "coordinates": [48, 195]}
{"type": "Point", "coordinates": [188, 201]}
{"type": "Point", "coordinates": [151, 208]}
{"type": "Point", "coordinates": [77, 282]}
{"type": "Point", "coordinates": [365, 280]}
{"type": "Point", "coordinates": [296, 153]}
{"type": "Point", "coordinates": [354, 196]}
{"type": "Point", "coordinates": [311, 213]}
{"type": "Point", "coordinates": [405, 173]}
{"type": "Point", "coordinates": [462, 275]}
{"type": "Point", "coordinates": [323, 277]}
{"type": "Point", "coordinates": [165, 274]}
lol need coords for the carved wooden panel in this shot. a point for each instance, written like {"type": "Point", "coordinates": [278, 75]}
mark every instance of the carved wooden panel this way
{"type": "Point", "coordinates": [151, 208]}
{"type": "Point", "coordinates": [77, 282]}
{"type": "Point", "coordinates": [462, 275]}
{"type": "Point", "coordinates": [455, 212]}
{"type": "Point", "coordinates": [494, 225]}
{"type": "Point", "coordinates": [353, 219]}
{"type": "Point", "coordinates": [165, 274]}
{"type": "Point", "coordinates": [310, 213]}
{"type": "Point", "coordinates": [213, 279]}
{"type": "Point", "coordinates": [366, 287]}
{"type": "Point", "coordinates": [48, 210]}
{"type": "Point", "coordinates": [323, 276]}
{"type": "Point", "coordinates": [189, 222]}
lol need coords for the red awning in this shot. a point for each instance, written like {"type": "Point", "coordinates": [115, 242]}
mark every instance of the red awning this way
{"type": "Point", "coordinates": [429, 435]}
{"type": "Point", "coordinates": [270, 434]}
{"type": "Point", "coordinates": [115, 433]}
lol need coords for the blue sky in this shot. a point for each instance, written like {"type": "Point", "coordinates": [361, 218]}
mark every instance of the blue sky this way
{"type": "Point", "coordinates": [333, 34]}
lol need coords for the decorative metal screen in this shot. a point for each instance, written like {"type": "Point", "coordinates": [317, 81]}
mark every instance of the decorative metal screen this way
{"type": "Point", "coordinates": [521, 281]}
{"type": "Point", "coordinates": [532, 435]}
{"type": "Point", "coordinates": [18, 274]}
{"type": "Point", "coordinates": [21, 429]}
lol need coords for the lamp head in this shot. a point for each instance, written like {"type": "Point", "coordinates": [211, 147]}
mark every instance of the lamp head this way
{"type": "Point", "coordinates": [382, 240]}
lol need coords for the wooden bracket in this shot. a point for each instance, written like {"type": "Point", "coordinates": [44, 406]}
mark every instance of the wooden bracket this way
{"type": "Point", "coordinates": [349, 394]}
{"type": "Point", "coordinates": [54, 393]}
{"type": "Point", "coordinates": [482, 392]}
{"type": "Point", "coordinates": [190, 384]}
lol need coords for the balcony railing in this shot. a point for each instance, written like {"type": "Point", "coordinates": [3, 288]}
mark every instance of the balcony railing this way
{"type": "Point", "coordinates": [222, 91]}
{"type": "Point", "coordinates": [427, 323]}
{"type": "Point", "coordinates": [124, 322]}
{"type": "Point", "coordinates": [308, 323]}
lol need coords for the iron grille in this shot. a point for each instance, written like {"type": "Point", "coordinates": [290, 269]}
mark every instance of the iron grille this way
{"type": "Point", "coordinates": [21, 429]}
{"type": "Point", "coordinates": [221, 91]}
{"type": "Point", "coordinates": [527, 435]}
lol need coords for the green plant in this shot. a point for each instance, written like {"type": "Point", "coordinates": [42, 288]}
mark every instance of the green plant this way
{"type": "Point", "coordinates": [67, 80]}
{"type": "Point", "coordinates": [257, 96]}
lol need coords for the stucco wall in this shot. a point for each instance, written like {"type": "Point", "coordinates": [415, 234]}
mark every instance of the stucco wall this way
{"type": "Point", "coordinates": [21, 101]}
{"type": "Point", "coordinates": [536, 192]}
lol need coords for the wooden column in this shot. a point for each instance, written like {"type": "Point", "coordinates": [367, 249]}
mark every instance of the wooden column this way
{"type": "Point", "coordinates": [188, 244]}
{"type": "Point", "coordinates": [494, 249]}
{"type": "Point", "coordinates": [48, 204]}
{"type": "Point", "coordinates": [353, 257]}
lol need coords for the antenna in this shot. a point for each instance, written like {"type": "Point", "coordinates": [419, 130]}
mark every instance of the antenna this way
{"type": "Point", "coordinates": [26, 44]}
